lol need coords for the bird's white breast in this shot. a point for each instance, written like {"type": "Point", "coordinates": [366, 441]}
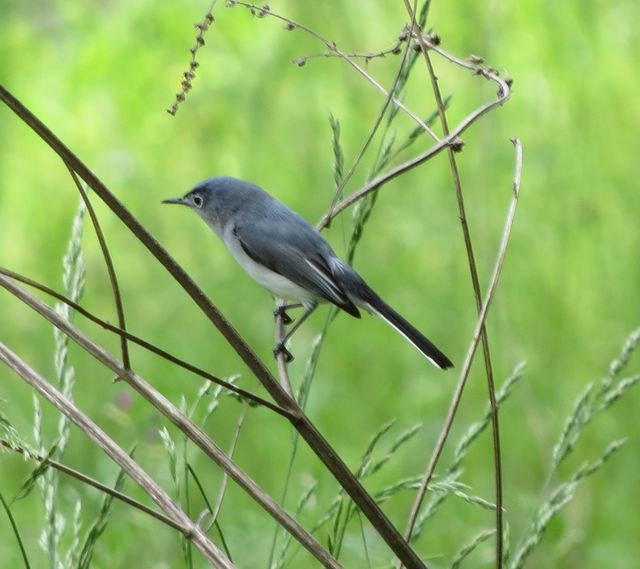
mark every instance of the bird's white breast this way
{"type": "Point", "coordinates": [276, 284]}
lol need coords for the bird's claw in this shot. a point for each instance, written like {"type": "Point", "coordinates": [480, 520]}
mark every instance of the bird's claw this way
{"type": "Point", "coordinates": [280, 349]}
{"type": "Point", "coordinates": [281, 311]}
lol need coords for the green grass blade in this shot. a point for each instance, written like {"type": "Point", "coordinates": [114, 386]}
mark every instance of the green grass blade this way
{"type": "Point", "coordinates": [100, 524]}
{"type": "Point", "coordinates": [33, 478]}
{"type": "Point", "coordinates": [16, 532]}
{"type": "Point", "coordinates": [559, 498]}
{"type": "Point", "coordinates": [469, 548]}
{"type": "Point", "coordinates": [338, 154]}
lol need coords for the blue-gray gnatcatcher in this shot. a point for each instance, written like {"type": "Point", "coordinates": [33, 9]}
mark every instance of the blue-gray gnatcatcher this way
{"type": "Point", "coordinates": [288, 257]}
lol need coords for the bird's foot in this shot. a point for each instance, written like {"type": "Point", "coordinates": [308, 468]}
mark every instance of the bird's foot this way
{"type": "Point", "coordinates": [281, 311]}
{"type": "Point", "coordinates": [281, 349]}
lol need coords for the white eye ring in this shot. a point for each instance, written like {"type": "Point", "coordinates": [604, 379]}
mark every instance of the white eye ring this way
{"type": "Point", "coordinates": [197, 201]}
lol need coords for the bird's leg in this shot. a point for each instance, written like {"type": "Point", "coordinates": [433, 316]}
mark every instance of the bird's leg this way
{"type": "Point", "coordinates": [280, 349]}
{"type": "Point", "coordinates": [281, 310]}
{"type": "Point", "coordinates": [280, 346]}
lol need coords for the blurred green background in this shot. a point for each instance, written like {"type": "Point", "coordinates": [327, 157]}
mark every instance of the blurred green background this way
{"type": "Point", "coordinates": [101, 74]}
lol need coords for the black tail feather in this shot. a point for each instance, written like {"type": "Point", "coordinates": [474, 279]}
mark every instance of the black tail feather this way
{"type": "Point", "coordinates": [362, 295]}
{"type": "Point", "coordinates": [378, 306]}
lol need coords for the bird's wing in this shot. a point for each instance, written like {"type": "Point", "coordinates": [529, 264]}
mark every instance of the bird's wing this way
{"type": "Point", "coordinates": [297, 252]}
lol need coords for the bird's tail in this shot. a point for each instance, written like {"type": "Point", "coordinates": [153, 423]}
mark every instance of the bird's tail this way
{"type": "Point", "coordinates": [391, 317]}
{"type": "Point", "coordinates": [362, 295]}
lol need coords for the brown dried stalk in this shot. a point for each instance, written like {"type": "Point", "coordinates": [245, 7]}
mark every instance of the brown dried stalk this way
{"type": "Point", "coordinates": [466, 366]}
{"type": "Point", "coordinates": [453, 139]}
{"type": "Point", "coordinates": [171, 412]}
{"type": "Point", "coordinates": [417, 33]}
{"type": "Point", "coordinates": [190, 530]}
{"type": "Point", "coordinates": [299, 420]}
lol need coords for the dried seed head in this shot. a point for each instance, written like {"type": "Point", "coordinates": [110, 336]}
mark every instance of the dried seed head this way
{"type": "Point", "coordinates": [433, 38]}
{"type": "Point", "coordinates": [300, 61]}
{"type": "Point", "coordinates": [456, 145]}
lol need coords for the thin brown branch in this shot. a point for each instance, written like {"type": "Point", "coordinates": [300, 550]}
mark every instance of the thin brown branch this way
{"type": "Point", "coordinates": [113, 279]}
{"type": "Point", "coordinates": [118, 455]}
{"type": "Point", "coordinates": [504, 92]}
{"type": "Point", "coordinates": [455, 175]}
{"type": "Point", "coordinates": [466, 366]}
{"type": "Point", "coordinates": [265, 10]}
{"type": "Point", "coordinates": [367, 56]}
{"type": "Point", "coordinates": [323, 450]}
{"type": "Point", "coordinates": [171, 412]}
{"type": "Point", "coordinates": [370, 136]}
{"type": "Point", "coordinates": [81, 477]}
{"type": "Point", "coordinates": [243, 393]}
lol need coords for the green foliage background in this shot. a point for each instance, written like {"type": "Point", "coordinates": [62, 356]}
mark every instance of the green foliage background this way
{"type": "Point", "coordinates": [101, 75]}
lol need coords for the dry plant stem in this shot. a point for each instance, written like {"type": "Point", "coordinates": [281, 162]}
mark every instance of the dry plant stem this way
{"type": "Point", "coordinates": [455, 175]}
{"type": "Point", "coordinates": [113, 279]}
{"type": "Point", "coordinates": [144, 344]}
{"type": "Point", "coordinates": [119, 456]}
{"type": "Point", "coordinates": [504, 92]}
{"type": "Point", "coordinates": [188, 427]}
{"type": "Point", "coordinates": [352, 486]}
{"type": "Point", "coordinates": [331, 46]}
{"type": "Point", "coordinates": [95, 484]}
{"type": "Point", "coordinates": [367, 56]}
{"type": "Point", "coordinates": [464, 372]}
{"type": "Point", "coordinates": [225, 477]}
{"type": "Point", "coordinates": [370, 136]}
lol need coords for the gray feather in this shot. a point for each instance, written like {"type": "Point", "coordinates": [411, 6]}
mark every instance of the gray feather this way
{"type": "Point", "coordinates": [287, 244]}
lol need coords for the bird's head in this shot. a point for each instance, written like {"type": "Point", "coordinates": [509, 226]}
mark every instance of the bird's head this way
{"type": "Point", "coordinates": [216, 199]}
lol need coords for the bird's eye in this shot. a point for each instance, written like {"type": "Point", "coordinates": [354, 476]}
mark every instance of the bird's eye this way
{"type": "Point", "coordinates": [197, 200]}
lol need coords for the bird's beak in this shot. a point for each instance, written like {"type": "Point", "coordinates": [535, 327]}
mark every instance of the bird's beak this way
{"type": "Point", "coordinates": [180, 201]}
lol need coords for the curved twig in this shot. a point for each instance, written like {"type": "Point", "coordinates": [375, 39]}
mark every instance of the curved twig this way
{"type": "Point", "coordinates": [417, 33]}
{"type": "Point", "coordinates": [113, 279]}
{"type": "Point", "coordinates": [331, 46]}
{"type": "Point", "coordinates": [504, 92]}
{"type": "Point", "coordinates": [466, 366]}
{"type": "Point", "coordinates": [370, 136]}
{"type": "Point", "coordinates": [367, 56]}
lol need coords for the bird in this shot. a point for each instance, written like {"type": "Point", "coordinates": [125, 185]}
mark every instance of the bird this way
{"type": "Point", "coordinates": [290, 258]}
